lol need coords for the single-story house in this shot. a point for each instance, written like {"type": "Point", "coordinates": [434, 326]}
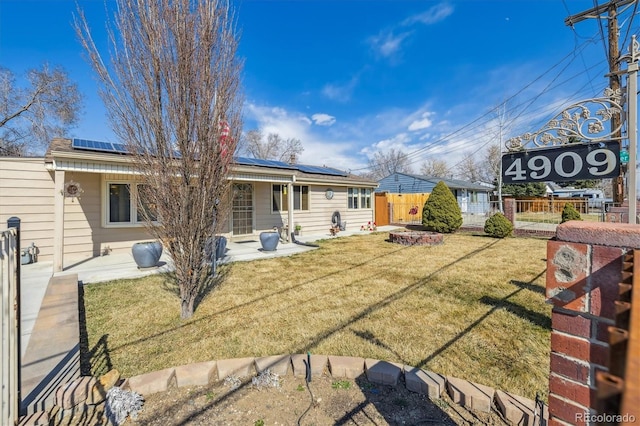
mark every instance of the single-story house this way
{"type": "Point", "coordinates": [472, 197]}
{"type": "Point", "coordinates": [77, 201]}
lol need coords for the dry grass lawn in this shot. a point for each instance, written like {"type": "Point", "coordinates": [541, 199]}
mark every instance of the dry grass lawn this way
{"type": "Point", "coordinates": [472, 308]}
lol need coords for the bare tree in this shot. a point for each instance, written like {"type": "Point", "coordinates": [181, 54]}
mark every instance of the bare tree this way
{"type": "Point", "coordinates": [435, 168]}
{"type": "Point", "coordinates": [273, 148]}
{"type": "Point", "coordinates": [490, 166]}
{"type": "Point", "coordinates": [384, 164]}
{"type": "Point", "coordinates": [172, 91]}
{"type": "Point", "coordinates": [31, 116]}
{"type": "Point", "coordinates": [485, 169]}
{"type": "Point", "coordinates": [468, 169]}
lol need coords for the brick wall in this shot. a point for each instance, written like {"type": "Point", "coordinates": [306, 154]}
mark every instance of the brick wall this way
{"type": "Point", "coordinates": [584, 267]}
{"type": "Point", "coordinates": [510, 209]}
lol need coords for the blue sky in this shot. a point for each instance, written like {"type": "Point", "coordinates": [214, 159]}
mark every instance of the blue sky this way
{"type": "Point", "coordinates": [349, 78]}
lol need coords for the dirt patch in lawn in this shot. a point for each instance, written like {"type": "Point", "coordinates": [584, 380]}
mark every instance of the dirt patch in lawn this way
{"type": "Point", "coordinates": [343, 402]}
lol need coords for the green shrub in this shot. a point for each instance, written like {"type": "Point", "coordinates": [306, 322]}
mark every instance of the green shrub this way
{"type": "Point", "coordinates": [498, 226]}
{"type": "Point", "coordinates": [570, 213]}
{"type": "Point", "coordinates": [441, 212]}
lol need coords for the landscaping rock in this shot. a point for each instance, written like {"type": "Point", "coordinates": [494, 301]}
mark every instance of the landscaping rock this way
{"type": "Point", "coordinates": [241, 367]}
{"type": "Point", "coordinates": [318, 365]}
{"type": "Point", "coordinates": [424, 382]}
{"type": "Point", "coordinates": [40, 418]}
{"type": "Point", "coordinates": [76, 392]}
{"type": "Point", "coordinates": [196, 374]}
{"type": "Point", "coordinates": [470, 395]}
{"type": "Point", "coordinates": [383, 372]}
{"type": "Point", "coordinates": [516, 409]}
{"type": "Point", "coordinates": [346, 366]}
{"type": "Point", "coordinates": [109, 379]}
{"type": "Point", "coordinates": [99, 391]}
{"type": "Point", "coordinates": [278, 364]}
{"type": "Point", "coordinates": [157, 381]}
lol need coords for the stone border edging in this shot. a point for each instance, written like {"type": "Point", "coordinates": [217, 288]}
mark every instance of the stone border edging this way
{"type": "Point", "coordinates": [76, 396]}
{"type": "Point", "coordinates": [474, 396]}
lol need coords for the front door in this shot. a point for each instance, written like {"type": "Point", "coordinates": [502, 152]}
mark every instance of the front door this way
{"type": "Point", "coordinates": [463, 200]}
{"type": "Point", "coordinates": [242, 209]}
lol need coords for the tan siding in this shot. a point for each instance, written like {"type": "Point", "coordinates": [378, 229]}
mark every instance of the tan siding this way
{"type": "Point", "coordinates": [26, 191]}
{"type": "Point", "coordinates": [315, 220]}
{"type": "Point", "coordinates": [12, 191]}
{"type": "Point", "coordinates": [84, 235]}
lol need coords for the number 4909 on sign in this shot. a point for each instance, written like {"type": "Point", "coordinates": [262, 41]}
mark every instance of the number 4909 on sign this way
{"type": "Point", "coordinates": [566, 163]}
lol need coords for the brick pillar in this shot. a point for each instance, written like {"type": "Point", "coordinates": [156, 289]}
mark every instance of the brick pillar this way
{"type": "Point", "coordinates": [584, 267]}
{"type": "Point", "coordinates": [510, 210]}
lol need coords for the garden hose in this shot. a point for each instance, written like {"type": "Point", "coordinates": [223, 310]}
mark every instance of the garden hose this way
{"type": "Point", "coordinates": [307, 379]}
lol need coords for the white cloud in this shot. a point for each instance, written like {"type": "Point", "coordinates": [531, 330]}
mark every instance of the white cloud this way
{"type": "Point", "coordinates": [399, 142]}
{"type": "Point", "coordinates": [320, 148]}
{"type": "Point", "coordinates": [433, 15]}
{"type": "Point", "coordinates": [323, 119]}
{"type": "Point", "coordinates": [341, 92]}
{"type": "Point", "coordinates": [387, 44]}
{"type": "Point", "coordinates": [423, 123]}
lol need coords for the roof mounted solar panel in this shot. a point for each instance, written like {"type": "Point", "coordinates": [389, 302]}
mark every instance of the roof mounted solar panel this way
{"type": "Point", "coordinates": [247, 161]}
{"type": "Point", "coordinates": [320, 170]}
{"type": "Point", "coordinates": [98, 146]}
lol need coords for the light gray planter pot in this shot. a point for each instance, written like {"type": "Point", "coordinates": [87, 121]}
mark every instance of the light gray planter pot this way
{"type": "Point", "coordinates": [147, 254]}
{"type": "Point", "coordinates": [269, 240]}
{"type": "Point", "coordinates": [221, 247]}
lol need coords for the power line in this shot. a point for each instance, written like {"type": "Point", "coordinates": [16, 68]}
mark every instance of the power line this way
{"type": "Point", "coordinates": [524, 109]}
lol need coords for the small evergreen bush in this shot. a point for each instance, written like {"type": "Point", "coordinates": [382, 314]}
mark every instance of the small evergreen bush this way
{"type": "Point", "coordinates": [441, 212]}
{"type": "Point", "coordinates": [498, 226]}
{"type": "Point", "coordinates": [570, 213]}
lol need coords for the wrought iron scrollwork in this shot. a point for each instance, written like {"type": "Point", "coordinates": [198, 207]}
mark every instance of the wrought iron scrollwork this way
{"type": "Point", "coordinates": [580, 122]}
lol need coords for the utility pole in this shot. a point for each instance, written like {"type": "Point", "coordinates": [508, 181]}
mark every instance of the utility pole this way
{"type": "Point", "coordinates": [611, 8]}
{"type": "Point", "coordinates": [501, 123]}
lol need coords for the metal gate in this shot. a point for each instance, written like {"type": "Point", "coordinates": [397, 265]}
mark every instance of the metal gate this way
{"type": "Point", "coordinates": [619, 389]}
{"type": "Point", "coordinates": [9, 364]}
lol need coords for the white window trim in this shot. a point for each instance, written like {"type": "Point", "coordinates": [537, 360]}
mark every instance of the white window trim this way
{"type": "Point", "coordinates": [358, 194]}
{"type": "Point", "coordinates": [133, 191]}
{"type": "Point", "coordinates": [282, 195]}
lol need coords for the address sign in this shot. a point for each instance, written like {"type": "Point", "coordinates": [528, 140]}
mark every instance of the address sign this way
{"type": "Point", "coordinates": [566, 163]}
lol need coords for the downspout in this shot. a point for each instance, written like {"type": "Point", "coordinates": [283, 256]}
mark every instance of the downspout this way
{"type": "Point", "coordinates": [290, 215]}
{"type": "Point", "coordinates": [58, 221]}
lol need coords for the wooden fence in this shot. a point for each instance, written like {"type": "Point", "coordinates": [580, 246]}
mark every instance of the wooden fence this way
{"type": "Point", "coordinates": [9, 363]}
{"type": "Point", "coordinates": [549, 205]}
{"type": "Point", "coordinates": [405, 208]}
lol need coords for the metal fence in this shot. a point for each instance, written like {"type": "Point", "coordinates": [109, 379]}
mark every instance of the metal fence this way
{"type": "Point", "coordinates": [9, 364]}
{"type": "Point", "coordinates": [535, 214]}
{"type": "Point", "coordinates": [546, 213]}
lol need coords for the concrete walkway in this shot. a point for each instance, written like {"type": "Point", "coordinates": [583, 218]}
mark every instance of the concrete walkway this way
{"type": "Point", "coordinates": [50, 315]}
{"type": "Point", "coordinates": [52, 357]}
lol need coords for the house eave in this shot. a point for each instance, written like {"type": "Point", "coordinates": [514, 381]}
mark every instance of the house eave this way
{"type": "Point", "coordinates": [107, 163]}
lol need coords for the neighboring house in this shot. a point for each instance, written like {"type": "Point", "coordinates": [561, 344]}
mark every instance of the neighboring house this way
{"type": "Point", "coordinates": [471, 197]}
{"type": "Point", "coordinates": [102, 217]}
{"type": "Point", "coordinates": [551, 187]}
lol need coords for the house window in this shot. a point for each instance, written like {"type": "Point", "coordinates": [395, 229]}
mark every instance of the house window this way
{"type": "Point", "coordinates": [474, 196]}
{"type": "Point", "coordinates": [359, 198]}
{"type": "Point", "coordinates": [122, 208]}
{"type": "Point", "coordinates": [119, 203]}
{"type": "Point", "coordinates": [365, 198]}
{"type": "Point", "coordinates": [280, 198]}
{"type": "Point", "coordinates": [352, 196]}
